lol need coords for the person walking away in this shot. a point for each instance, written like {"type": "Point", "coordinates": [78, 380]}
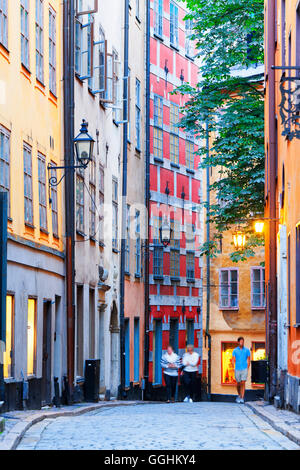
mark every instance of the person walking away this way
{"type": "Point", "coordinates": [190, 362]}
{"type": "Point", "coordinates": [241, 363]}
{"type": "Point", "coordinates": [170, 362]}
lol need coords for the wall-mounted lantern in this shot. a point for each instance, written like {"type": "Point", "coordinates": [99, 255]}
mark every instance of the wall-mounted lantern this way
{"type": "Point", "coordinates": [239, 239]}
{"type": "Point", "coordinates": [165, 232]}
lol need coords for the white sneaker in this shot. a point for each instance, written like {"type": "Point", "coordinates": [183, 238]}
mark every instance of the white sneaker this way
{"type": "Point", "coordinates": [190, 400]}
{"type": "Point", "coordinates": [238, 399]}
{"type": "Point", "coordinates": [242, 400]}
{"type": "Point", "coordinates": [186, 399]}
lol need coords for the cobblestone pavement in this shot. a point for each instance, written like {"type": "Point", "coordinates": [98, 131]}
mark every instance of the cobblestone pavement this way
{"type": "Point", "coordinates": [180, 426]}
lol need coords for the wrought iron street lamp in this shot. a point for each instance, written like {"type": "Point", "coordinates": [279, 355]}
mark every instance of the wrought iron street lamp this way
{"type": "Point", "coordinates": [165, 232]}
{"type": "Point", "coordinates": [239, 239]}
{"type": "Point", "coordinates": [84, 146]}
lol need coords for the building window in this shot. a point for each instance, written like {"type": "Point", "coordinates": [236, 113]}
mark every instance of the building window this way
{"type": "Point", "coordinates": [80, 202]}
{"type": "Point", "coordinates": [127, 244]}
{"type": "Point", "coordinates": [174, 131]}
{"type": "Point", "coordinates": [158, 17]}
{"type": "Point", "coordinates": [190, 336]}
{"type": "Point", "coordinates": [228, 376]}
{"type": "Point", "coordinates": [175, 239]}
{"type": "Point", "coordinates": [298, 275]}
{"type": "Point", "coordinates": [158, 261]}
{"type": "Point", "coordinates": [101, 204]}
{"type": "Point", "coordinates": [92, 199]}
{"type": "Point", "coordinates": [138, 113]}
{"type": "Point", "coordinates": [157, 342]}
{"type": "Point", "coordinates": [42, 191]}
{"type": "Point", "coordinates": [136, 350]}
{"type": "Point", "coordinates": [137, 9]}
{"type": "Point", "coordinates": [190, 237]}
{"type": "Point", "coordinates": [9, 341]}
{"type": "Point", "coordinates": [25, 32]}
{"type": "Point", "coordinates": [54, 204]}
{"type": "Point", "coordinates": [28, 198]}
{"type": "Point", "coordinates": [173, 24]}
{"type": "Point", "coordinates": [31, 337]}
{"type": "Point", "coordinates": [258, 299]}
{"type": "Point", "coordinates": [258, 353]}
{"type": "Point", "coordinates": [138, 243]}
{"type": "Point", "coordinates": [174, 263]}
{"type": "Point", "coordinates": [158, 127]}
{"type": "Point", "coordinates": [97, 82]}
{"type": "Point", "coordinates": [39, 40]}
{"type": "Point", "coordinates": [189, 154]}
{"type": "Point", "coordinates": [189, 47]}
{"type": "Point", "coordinates": [229, 288]}
{"type": "Point", "coordinates": [5, 163]}
{"type": "Point", "coordinates": [3, 23]}
{"type": "Point", "coordinates": [115, 214]}
{"type": "Point", "coordinates": [190, 266]}
{"type": "Point", "coordinates": [173, 337]}
{"type": "Point", "coordinates": [52, 51]}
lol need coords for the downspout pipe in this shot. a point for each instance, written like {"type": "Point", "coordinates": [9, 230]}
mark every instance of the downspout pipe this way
{"type": "Point", "coordinates": [147, 203]}
{"type": "Point", "coordinates": [122, 391]}
{"type": "Point", "coordinates": [3, 283]}
{"type": "Point", "coordinates": [69, 77]}
{"type": "Point", "coordinates": [207, 333]}
{"type": "Point", "coordinates": [271, 310]}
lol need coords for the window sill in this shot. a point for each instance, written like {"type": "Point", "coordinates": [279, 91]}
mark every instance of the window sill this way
{"type": "Point", "coordinates": [174, 279]}
{"type": "Point", "coordinates": [115, 250]}
{"type": "Point", "coordinates": [158, 278]}
{"type": "Point", "coordinates": [81, 234]}
{"type": "Point", "coordinates": [190, 58]}
{"type": "Point", "coordinates": [4, 49]}
{"type": "Point", "coordinates": [158, 36]}
{"type": "Point", "coordinates": [175, 165]}
{"type": "Point", "coordinates": [40, 83]}
{"type": "Point", "coordinates": [191, 281]}
{"type": "Point", "coordinates": [127, 273]}
{"type": "Point", "coordinates": [52, 95]}
{"type": "Point", "coordinates": [101, 244]}
{"type": "Point", "coordinates": [93, 240]}
{"type": "Point", "coordinates": [234, 309]}
{"type": "Point", "coordinates": [29, 225]}
{"type": "Point", "coordinates": [25, 69]}
{"type": "Point", "coordinates": [296, 325]}
{"type": "Point", "coordinates": [229, 384]}
{"type": "Point", "coordinates": [115, 123]}
{"type": "Point", "coordinates": [137, 276]}
{"type": "Point", "coordinates": [258, 308]}
{"type": "Point", "coordinates": [191, 172]}
{"type": "Point", "coordinates": [78, 78]}
{"type": "Point", "coordinates": [138, 151]}
{"type": "Point", "coordinates": [158, 160]}
{"type": "Point", "coordinates": [56, 236]}
{"type": "Point", "coordinates": [44, 231]}
{"type": "Point", "coordinates": [173, 46]}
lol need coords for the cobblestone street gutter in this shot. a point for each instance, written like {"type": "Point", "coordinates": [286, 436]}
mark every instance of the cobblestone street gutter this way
{"type": "Point", "coordinates": [13, 434]}
{"type": "Point", "coordinates": [286, 422]}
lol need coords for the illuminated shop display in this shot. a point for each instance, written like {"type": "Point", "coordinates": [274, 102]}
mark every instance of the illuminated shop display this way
{"type": "Point", "coordinates": [227, 363]}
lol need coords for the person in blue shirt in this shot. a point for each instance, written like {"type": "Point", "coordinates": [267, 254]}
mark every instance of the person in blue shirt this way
{"type": "Point", "coordinates": [241, 363]}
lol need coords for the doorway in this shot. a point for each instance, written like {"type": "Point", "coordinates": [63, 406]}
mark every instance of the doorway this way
{"type": "Point", "coordinates": [47, 340]}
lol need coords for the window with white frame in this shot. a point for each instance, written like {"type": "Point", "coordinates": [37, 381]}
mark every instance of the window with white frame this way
{"type": "Point", "coordinates": [138, 113]}
{"type": "Point", "coordinates": [54, 204]}
{"type": "Point", "coordinates": [174, 133]}
{"type": "Point", "coordinates": [42, 191]}
{"type": "Point", "coordinates": [189, 153]}
{"type": "Point", "coordinates": [97, 82]}
{"type": "Point", "coordinates": [137, 9]}
{"type": "Point", "coordinates": [39, 40]}
{"type": "Point", "coordinates": [84, 46]}
{"type": "Point", "coordinates": [229, 288]}
{"type": "Point", "coordinates": [158, 17]}
{"type": "Point", "coordinates": [189, 46]}
{"type": "Point", "coordinates": [5, 163]}
{"type": "Point", "coordinates": [80, 201]}
{"type": "Point", "coordinates": [101, 204]}
{"type": "Point", "coordinates": [137, 243]}
{"type": "Point", "coordinates": [92, 199]}
{"type": "Point", "coordinates": [158, 127]}
{"type": "Point", "coordinates": [173, 24]}
{"type": "Point", "coordinates": [258, 299]}
{"type": "Point", "coordinates": [190, 265]}
{"type": "Point", "coordinates": [52, 51]}
{"type": "Point", "coordinates": [127, 244]}
{"type": "Point", "coordinates": [115, 214]}
{"type": "Point", "coordinates": [3, 23]}
{"type": "Point", "coordinates": [129, 105]}
{"type": "Point", "coordinates": [28, 196]}
{"type": "Point", "coordinates": [117, 89]}
{"type": "Point", "coordinates": [25, 32]}
{"type": "Point", "coordinates": [190, 237]}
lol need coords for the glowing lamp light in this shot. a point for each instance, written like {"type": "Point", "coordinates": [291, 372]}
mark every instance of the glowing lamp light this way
{"type": "Point", "coordinates": [239, 240]}
{"type": "Point", "coordinates": [259, 226]}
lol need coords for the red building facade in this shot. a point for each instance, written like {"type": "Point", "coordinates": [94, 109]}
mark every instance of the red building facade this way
{"type": "Point", "coordinates": [175, 192]}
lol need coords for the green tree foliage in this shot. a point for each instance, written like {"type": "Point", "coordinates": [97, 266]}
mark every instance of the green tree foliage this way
{"type": "Point", "coordinates": [229, 101]}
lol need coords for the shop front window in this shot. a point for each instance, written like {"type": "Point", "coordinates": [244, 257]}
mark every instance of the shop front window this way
{"type": "Point", "coordinates": [227, 363]}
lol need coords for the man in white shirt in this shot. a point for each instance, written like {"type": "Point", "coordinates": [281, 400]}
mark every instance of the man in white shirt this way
{"type": "Point", "coordinates": [190, 362]}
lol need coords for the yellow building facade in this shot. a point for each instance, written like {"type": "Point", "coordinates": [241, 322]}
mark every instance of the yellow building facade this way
{"type": "Point", "coordinates": [30, 140]}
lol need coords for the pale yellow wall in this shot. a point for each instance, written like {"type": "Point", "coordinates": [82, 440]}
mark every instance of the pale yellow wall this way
{"type": "Point", "coordinates": [31, 114]}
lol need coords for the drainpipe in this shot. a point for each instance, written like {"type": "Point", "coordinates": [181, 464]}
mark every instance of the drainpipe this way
{"type": "Point", "coordinates": [207, 333]}
{"type": "Point", "coordinates": [69, 77]}
{"type": "Point", "coordinates": [147, 202]}
{"type": "Point", "coordinates": [3, 284]}
{"type": "Point", "coordinates": [271, 246]}
{"type": "Point", "coordinates": [124, 198]}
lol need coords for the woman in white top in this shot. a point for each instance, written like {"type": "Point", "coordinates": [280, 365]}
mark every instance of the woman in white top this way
{"type": "Point", "coordinates": [170, 362]}
{"type": "Point", "coordinates": [190, 362]}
